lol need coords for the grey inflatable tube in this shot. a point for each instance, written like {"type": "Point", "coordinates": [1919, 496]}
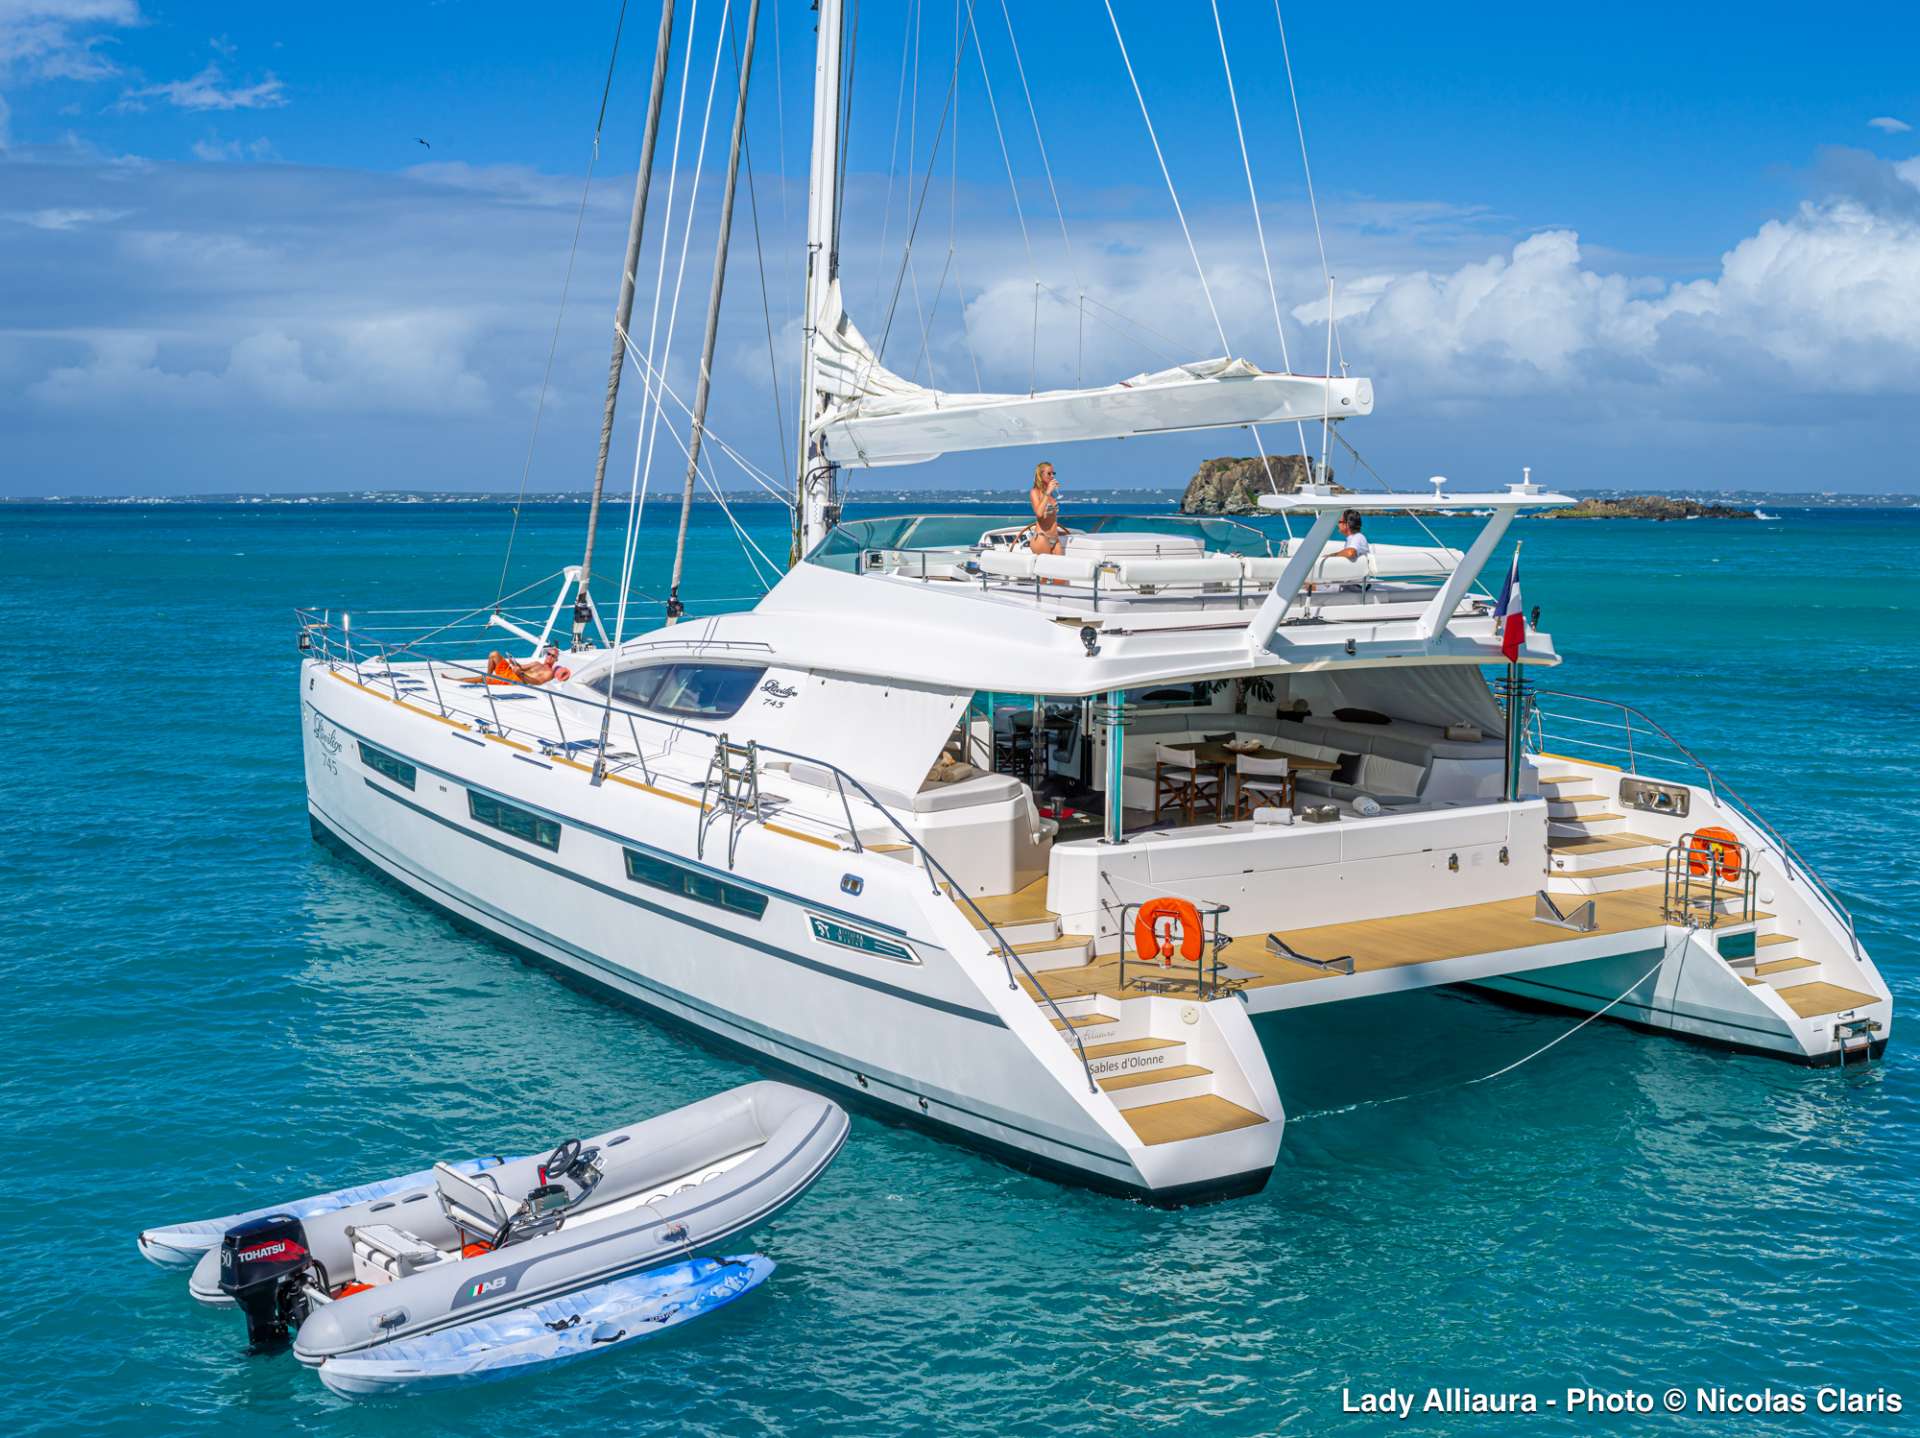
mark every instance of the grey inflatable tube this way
{"type": "Point", "coordinates": [668, 1186]}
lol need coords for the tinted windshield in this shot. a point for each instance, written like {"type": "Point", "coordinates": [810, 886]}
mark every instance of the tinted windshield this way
{"type": "Point", "coordinates": [690, 691]}
{"type": "Point", "coordinates": [704, 691]}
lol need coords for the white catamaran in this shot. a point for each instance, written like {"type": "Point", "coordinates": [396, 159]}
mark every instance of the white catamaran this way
{"type": "Point", "coordinates": [810, 829]}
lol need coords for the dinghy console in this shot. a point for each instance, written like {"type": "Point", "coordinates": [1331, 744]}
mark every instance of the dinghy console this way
{"type": "Point", "coordinates": [265, 1268]}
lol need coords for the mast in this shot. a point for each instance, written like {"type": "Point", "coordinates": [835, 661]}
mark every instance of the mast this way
{"type": "Point", "coordinates": [623, 312]}
{"type": "Point", "coordinates": [815, 509]}
{"type": "Point", "coordinates": [674, 607]}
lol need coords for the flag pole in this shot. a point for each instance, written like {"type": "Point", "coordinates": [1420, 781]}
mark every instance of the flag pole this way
{"type": "Point", "coordinates": [1515, 708]}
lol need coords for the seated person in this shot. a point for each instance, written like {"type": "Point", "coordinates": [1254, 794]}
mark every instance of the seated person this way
{"type": "Point", "coordinates": [535, 671]}
{"type": "Point", "coordinates": [1357, 545]}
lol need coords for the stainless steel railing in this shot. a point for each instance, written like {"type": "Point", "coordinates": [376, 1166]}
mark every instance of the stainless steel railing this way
{"type": "Point", "coordinates": [1639, 740]}
{"type": "Point", "coordinates": [319, 638]}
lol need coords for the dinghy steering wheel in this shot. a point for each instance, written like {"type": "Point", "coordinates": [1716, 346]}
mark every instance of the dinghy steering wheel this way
{"type": "Point", "coordinates": [561, 1161]}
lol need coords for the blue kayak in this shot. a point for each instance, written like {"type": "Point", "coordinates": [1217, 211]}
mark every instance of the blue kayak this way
{"type": "Point", "coordinates": [543, 1335]}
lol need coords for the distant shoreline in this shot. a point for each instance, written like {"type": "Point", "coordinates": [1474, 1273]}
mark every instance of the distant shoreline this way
{"type": "Point", "coordinates": [1167, 498]}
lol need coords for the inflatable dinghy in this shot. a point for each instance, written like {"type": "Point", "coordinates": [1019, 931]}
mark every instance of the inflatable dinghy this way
{"type": "Point", "coordinates": [185, 1243]}
{"type": "Point", "coordinates": [545, 1335]}
{"type": "Point", "coordinates": [485, 1247]}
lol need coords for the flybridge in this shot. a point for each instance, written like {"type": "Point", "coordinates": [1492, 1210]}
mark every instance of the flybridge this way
{"type": "Point", "coordinates": [1326, 507]}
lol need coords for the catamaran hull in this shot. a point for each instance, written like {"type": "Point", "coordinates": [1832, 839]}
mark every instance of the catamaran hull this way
{"type": "Point", "coordinates": [930, 1041]}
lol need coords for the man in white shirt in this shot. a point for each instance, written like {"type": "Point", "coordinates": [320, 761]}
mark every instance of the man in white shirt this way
{"type": "Point", "coordinates": [1358, 545]}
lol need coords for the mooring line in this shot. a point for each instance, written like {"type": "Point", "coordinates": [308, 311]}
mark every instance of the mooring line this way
{"type": "Point", "coordinates": [1665, 954]}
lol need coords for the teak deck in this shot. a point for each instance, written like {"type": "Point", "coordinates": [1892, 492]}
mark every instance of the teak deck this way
{"type": "Point", "coordinates": [1376, 944]}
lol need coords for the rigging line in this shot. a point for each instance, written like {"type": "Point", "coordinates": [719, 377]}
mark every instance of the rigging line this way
{"type": "Point", "coordinates": [566, 286]}
{"type": "Point", "coordinates": [1046, 168]}
{"type": "Point", "coordinates": [953, 217]}
{"type": "Point", "coordinates": [1167, 175]}
{"type": "Point", "coordinates": [893, 153]}
{"type": "Point", "coordinates": [850, 42]}
{"type": "Point", "coordinates": [966, 328]}
{"type": "Point", "coordinates": [712, 484]}
{"type": "Point", "coordinates": [1306, 167]}
{"type": "Point", "coordinates": [760, 262]}
{"type": "Point", "coordinates": [749, 546]}
{"type": "Point", "coordinates": [1414, 514]}
{"type": "Point", "coordinates": [933, 314]}
{"type": "Point", "coordinates": [710, 438]}
{"type": "Point", "coordinates": [786, 220]}
{"type": "Point", "coordinates": [637, 505]}
{"type": "Point", "coordinates": [913, 131]}
{"type": "Point", "coordinates": [1013, 189]}
{"type": "Point", "coordinates": [919, 209]}
{"type": "Point", "coordinates": [1170, 356]}
{"type": "Point", "coordinates": [1266, 261]}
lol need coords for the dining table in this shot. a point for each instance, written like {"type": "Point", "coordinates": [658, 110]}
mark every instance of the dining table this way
{"type": "Point", "coordinates": [1215, 755]}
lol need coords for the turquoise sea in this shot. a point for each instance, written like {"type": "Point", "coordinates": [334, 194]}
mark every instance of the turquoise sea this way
{"type": "Point", "coordinates": [204, 1010]}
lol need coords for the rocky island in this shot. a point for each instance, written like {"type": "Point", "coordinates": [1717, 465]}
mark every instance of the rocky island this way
{"type": "Point", "coordinates": [1234, 486]}
{"type": "Point", "coordinates": [1649, 506]}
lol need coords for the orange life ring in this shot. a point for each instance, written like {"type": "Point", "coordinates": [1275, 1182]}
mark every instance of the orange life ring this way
{"type": "Point", "coordinates": [1708, 848]}
{"type": "Point", "coordinates": [1148, 943]}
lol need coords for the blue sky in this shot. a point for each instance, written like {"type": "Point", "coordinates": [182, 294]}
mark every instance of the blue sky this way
{"type": "Point", "coordinates": [1646, 247]}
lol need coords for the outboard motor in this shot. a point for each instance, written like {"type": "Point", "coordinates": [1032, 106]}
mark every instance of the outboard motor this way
{"type": "Point", "coordinates": [264, 1268]}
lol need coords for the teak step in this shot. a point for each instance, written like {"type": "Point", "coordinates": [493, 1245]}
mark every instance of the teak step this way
{"type": "Point", "coordinates": [1136, 1077]}
{"type": "Point", "coordinates": [1085, 1021]}
{"type": "Point", "coordinates": [1609, 871]}
{"type": "Point", "coordinates": [1768, 940]}
{"type": "Point", "coordinates": [1599, 843]}
{"type": "Point", "coordinates": [1025, 906]}
{"type": "Point", "coordinates": [1128, 1046]}
{"type": "Point", "coordinates": [1812, 1001]}
{"type": "Point", "coordinates": [1188, 1118]}
{"type": "Point", "coordinates": [1783, 966]}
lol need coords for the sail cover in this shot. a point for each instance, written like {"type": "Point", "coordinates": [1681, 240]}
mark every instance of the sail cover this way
{"type": "Point", "coordinates": [875, 417]}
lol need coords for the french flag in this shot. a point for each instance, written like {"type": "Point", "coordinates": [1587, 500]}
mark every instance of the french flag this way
{"type": "Point", "coordinates": [1509, 620]}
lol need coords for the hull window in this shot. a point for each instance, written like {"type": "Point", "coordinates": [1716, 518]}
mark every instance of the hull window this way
{"type": "Point", "coordinates": [509, 820]}
{"type": "Point", "coordinates": [702, 888]}
{"type": "Point", "coordinates": [381, 762]}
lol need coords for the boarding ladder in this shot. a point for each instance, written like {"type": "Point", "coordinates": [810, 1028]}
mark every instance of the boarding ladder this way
{"type": "Point", "coordinates": [732, 790]}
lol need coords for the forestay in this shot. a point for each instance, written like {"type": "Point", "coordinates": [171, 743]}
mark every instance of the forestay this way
{"type": "Point", "coordinates": [873, 416]}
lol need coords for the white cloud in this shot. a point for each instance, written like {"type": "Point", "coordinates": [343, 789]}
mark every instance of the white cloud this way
{"type": "Point", "coordinates": [209, 91]}
{"type": "Point", "coordinates": [413, 364]}
{"type": "Point", "coordinates": [57, 219]}
{"type": "Point", "coordinates": [61, 39]}
{"type": "Point", "coordinates": [1890, 125]}
{"type": "Point", "coordinates": [215, 150]}
{"type": "Point", "coordinates": [1819, 302]}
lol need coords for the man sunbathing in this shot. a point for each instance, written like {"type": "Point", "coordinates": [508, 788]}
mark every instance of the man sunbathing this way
{"type": "Point", "coordinates": [538, 671]}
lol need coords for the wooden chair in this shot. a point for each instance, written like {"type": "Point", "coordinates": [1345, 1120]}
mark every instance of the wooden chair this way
{"type": "Point", "coordinates": [1178, 780]}
{"type": "Point", "coordinates": [1261, 783]}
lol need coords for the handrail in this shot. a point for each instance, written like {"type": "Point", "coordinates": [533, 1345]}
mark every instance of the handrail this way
{"type": "Point", "coordinates": [1717, 787]}
{"type": "Point", "coordinates": [315, 628]}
